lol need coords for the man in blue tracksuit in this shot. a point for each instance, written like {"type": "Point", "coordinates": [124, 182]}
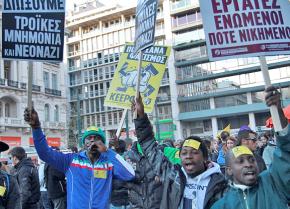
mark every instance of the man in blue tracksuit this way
{"type": "Point", "coordinates": [89, 173]}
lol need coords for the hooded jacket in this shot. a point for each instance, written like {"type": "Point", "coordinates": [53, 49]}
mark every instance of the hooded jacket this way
{"type": "Point", "coordinates": [272, 190]}
{"type": "Point", "coordinates": [27, 177]}
{"type": "Point", "coordinates": [209, 187]}
{"type": "Point", "coordinates": [88, 185]}
{"type": "Point", "coordinates": [170, 190]}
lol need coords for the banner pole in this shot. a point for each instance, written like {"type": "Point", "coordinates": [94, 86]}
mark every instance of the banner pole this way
{"type": "Point", "coordinates": [29, 85]}
{"type": "Point", "coordinates": [121, 123]}
{"type": "Point", "coordinates": [138, 80]}
{"type": "Point", "coordinates": [273, 108]}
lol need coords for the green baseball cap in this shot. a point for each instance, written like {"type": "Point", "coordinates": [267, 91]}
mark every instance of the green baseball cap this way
{"type": "Point", "coordinates": [94, 131]}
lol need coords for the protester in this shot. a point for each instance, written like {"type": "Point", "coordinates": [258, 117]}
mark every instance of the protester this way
{"type": "Point", "coordinates": [214, 152]}
{"type": "Point", "coordinates": [269, 189]}
{"type": "Point", "coordinates": [27, 177]}
{"type": "Point", "coordinates": [177, 143]}
{"type": "Point", "coordinates": [196, 183]}
{"type": "Point", "coordinates": [146, 189]}
{"type": "Point", "coordinates": [268, 153]}
{"type": "Point", "coordinates": [248, 138]}
{"type": "Point", "coordinates": [89, 173]}
{"type": "Point", "coordinates": [44, 202]}
{"type": "Point", "coordinates": [231, 141]}
{"type": "Point", "coordinates": [56, 185]}
{"type": "Point", "coordinates": [9, 189]}
{"type": "Point", "coordinates": [119, 197]}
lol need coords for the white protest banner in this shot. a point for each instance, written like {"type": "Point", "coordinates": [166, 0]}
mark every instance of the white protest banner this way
{"type": "Point", "coordinates": [33, 30]}
{"type": "Point", "coordinates": [243, 28]}
{"type": "Point", "coordinates": [145, 24]}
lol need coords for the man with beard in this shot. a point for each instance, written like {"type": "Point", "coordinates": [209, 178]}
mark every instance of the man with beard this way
{"type": "Point", "coordinates": [268, 190]}
{"type": "Point", "coordinates": [89, 173]}
{"type": "Point", "coordinates": [196, 183]}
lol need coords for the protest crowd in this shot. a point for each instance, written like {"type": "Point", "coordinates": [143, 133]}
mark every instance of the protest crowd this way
{"type": "Point", "coordinates": [247, 171]}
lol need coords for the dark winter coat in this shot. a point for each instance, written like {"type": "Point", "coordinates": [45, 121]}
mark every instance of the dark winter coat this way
{"type": "Point", "coordinates": [55, 182]}
{"type": "Point", "coordinates": [11, 198]}
{"type": "Point", "coordinates": [27, 177]}
{"type": "Point", "coordinates": [171, 180]}
{"type": "Point", "coordinates": [146, 190]}
{"type": "Point", "coordinates": [119, 196]}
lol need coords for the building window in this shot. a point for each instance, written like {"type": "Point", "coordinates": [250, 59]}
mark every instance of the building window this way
{"type": "Point", "coordinates": [46, 79]}
{"type": "Point", "coordinates": [236, 121]}
{"type": "Point", "coordinates": [54, 81]}
{"type": "Point", "coordinates": [230, 101]}
{"type": "Point", "coordinates": [1, 109]}
{"type": "Point", "coordinates": [56, 113]}
{"type": "Point", "coordinates": [7, 110]}
{"type": "Point", "coordinates": [46, 112]}
{"type": "Point", "coordinates": [7, 68]}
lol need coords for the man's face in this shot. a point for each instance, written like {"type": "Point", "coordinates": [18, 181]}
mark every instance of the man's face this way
{"type": "Point", "coordinates": [14, 160]}
{"type": "Point", "coordinates": [91, 143]}
{"type": "Point", "coordinates": [192, 161]}
{"type": "Point", "coordinates": [250, 142]}
{"type": "Point", "coordinates": [244, 170]}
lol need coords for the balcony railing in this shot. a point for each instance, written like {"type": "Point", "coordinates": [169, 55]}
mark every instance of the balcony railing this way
{"type": "Point", "coordinates": [163, 98]}
{"type": "Point", "coordinates": [12, 83]}
{"type": "Point", "coordinates": [179, 5]}
{"type": "Point", "coordinates": [13, 122]}
{"type": "Point", "coordinates": [23, 85]}
{"type": "Point", "coordinates": [2, 81]}
{"type": "Point", "coordinates": [36, 88]}
{"type": "Point", "coordinates": [53, 125]}
{"type": "Point", "coordinates": [53, 92]}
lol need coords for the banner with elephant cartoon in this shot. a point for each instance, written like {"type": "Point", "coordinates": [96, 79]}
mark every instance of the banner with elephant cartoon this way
{"type": "Point", "coordinates": [123, 86]}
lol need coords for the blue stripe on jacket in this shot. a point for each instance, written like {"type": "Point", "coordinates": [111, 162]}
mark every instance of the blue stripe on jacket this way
{"type": "Point", "coordinates": [88, 186]}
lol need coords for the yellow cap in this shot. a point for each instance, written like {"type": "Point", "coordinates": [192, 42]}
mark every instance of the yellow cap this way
{"type": "Point", "coordinates": [241, 150]}
{"type": "Point", "coordinates": [191, 143]}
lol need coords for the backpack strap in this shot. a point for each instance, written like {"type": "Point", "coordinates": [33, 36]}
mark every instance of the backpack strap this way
{"type": "Point", "coordinates": [6, 184]}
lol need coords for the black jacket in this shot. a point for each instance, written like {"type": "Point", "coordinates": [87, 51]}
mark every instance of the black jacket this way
{"type": "Point", "coordinates": [174, 186]}
{"type": "Point", "coordinates": [55, 182]}
{"type": "Point", "coordinates": [11, 198]}
{"type": "Point", "coordinates": [146, 190]}
{"type": "Point", "coordinates": [119, 195]}
{"type": "Point", "coordinates": [27, 177]}
{"type": "Point", "coordinates": [172, 181]}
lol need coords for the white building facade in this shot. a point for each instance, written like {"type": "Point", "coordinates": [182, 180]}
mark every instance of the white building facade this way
{"type": "Point", "coordinates": [98, 33]}
{"type": "Point", "coordinates": [48, 95]}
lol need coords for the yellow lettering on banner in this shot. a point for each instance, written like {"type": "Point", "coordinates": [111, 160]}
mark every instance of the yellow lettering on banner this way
{"type": "Point", "coordinates": [192, 143]}
{"type": "Point", "coordinates": [100, 174]}
{"type": "Point", "coordinates": [2, 191]}
{"type": "Point", "coordinates": [241, 150]}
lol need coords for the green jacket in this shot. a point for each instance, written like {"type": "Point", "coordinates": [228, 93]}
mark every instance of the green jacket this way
{"type": "Point", "coordinates": [272, 190]}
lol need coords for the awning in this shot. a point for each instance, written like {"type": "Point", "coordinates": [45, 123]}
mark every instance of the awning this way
{"type": "Point", "coordinates": [12, 141]}
{"type": "Point", "coordinates": [51, 141]}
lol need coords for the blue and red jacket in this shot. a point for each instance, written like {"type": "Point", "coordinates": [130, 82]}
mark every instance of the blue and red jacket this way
{"type": "Point", "coordinates": [88, 185]}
